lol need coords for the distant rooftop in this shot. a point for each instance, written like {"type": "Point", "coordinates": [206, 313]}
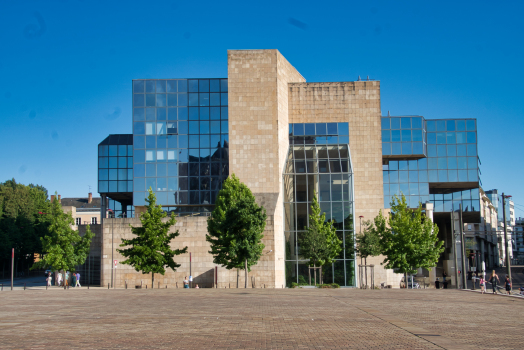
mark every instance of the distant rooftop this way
{"type": "Point", "coordinates": [81, 202]}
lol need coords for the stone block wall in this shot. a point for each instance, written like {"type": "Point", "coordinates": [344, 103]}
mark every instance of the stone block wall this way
{"type": "Point", "coordinates": [258, 138]}
{"type": "Point", "coordinates": [192, 231]}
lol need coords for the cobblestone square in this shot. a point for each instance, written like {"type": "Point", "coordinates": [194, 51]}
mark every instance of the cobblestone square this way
{"type": "Point", "coordinates": [259, 319]}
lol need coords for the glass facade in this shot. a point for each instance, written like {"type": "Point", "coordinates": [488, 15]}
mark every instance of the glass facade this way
{"type": "Point", "coordinates": [319, 133]}
{"type": "Point", "coordinates": [120, 210]}
{"type": "Point", "coordinates": [325, 170]}
{"type": "Point", "coordinates": [180, 137]}
{"type": "Point", "coordinates": [447, 164]}
{"type": "Point", "coordinates": [403, 136]}
{"type": "Point", "coordinates": [115, 164]}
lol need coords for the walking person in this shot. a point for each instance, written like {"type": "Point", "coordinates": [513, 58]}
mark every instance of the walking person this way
{"type": "Point", "coordinates": [73, 280]}
{"type": "Point", "coordinates": [482, 283]}
{"type": "Point", "coordinates": [507, 283]}
{"type": "Point", "coordinates": [186, 283]}
{"type": "Point", "coordinates": [78, 279]}
{"type": "Point", "coordinates": [49, 279]}
{"type": "Point", "coordinates": [494, 279]}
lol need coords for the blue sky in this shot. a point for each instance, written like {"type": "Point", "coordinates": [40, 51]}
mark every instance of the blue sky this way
{"type": "Point", "coordinates": [66, 69]}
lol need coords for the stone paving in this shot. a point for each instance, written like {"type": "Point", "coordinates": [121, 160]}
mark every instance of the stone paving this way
{"type": "Point", "coordinates": [259, 319]}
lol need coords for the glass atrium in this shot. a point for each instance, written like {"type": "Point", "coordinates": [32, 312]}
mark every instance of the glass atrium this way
{"type": "Point", "coordinates": [317, 165]}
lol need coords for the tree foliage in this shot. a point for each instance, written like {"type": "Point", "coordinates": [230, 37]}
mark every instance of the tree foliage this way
{"type": "Point", "coordinates": [149, 251]}
{"type": "Point", "coordinates": [410, 241]}
{"type": "Point", "coordinates": [319, 243]}
{"type": "Point", "coordinates": [63, 247]}
{"type": "Point", "coordinates": [368, 243]}
{"type": "Point", "coordinates": [235, 227]}
{"type": "Point", "coordinates": [22, 224]}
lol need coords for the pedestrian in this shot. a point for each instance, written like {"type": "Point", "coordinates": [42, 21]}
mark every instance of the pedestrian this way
{"type": "Point", "coordinates": [66, 279]}
{"type": "Point", "coordinates": [507, 283]}
{"type": "Point", "coordinates": [197, 287]}
{"type": "Point", "coordinates": [59, 279]}
{"type": "Point", "coordinates": [444, 275]}
{"type": "Point", "coordinates": [73, 280]}
{"type": "Point", "coordinates": [48, 279]}
{"type": "Point", "coordinates": [494, 279]}
{"type": "Point", "coordinates": [78, 279]}
{"type": "Point", "coordinates": [482, 283]}
{"type": "Point", "coordinates": [186, 283]}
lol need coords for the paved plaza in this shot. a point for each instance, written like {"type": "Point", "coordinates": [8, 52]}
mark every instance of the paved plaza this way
{"type": "Point", "coordinates": [259, 319]}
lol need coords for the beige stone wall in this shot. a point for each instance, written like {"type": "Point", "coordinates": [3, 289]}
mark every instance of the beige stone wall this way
{"type": "Point", "coordinates": [192, 235]}
{"type": "Point", "coordinates": [258, 138]}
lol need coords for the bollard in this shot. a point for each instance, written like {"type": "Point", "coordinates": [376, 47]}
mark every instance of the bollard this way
{"type": "Point", "coordinates": [158, 285]}
{"type": "Point", "coordinates": [126, 284]}
{"type": "Point", "coordinates": [2, 287]}
{"type": "Point", "coordinates": [264, 286]}
{"type": "Point", "coordinates": [87, 286]}
{"type": "Point", "coordinates": [166, 286]}
{"type": "Point", "coordinates": [229, 284]}
{"type": "Point", "coordinates": [46, 286]}
{"type": "Point", "coordinates": [108, 286]}
{"type": "Point", "coordinates": [146, 286]}
{"type": "Point", "coordinates": [24, 286]}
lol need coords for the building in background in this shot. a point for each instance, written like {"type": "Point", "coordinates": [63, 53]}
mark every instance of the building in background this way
{"type": "Point", "coordinates": [496, 199]}
{"type": "Point", "coordinates": [518, 255]}
{"type": "Point", "coordinates": [287, 140]}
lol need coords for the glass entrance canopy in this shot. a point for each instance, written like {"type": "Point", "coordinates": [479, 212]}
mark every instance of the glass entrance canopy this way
{"type": "Point", "coordinates": [324, 171]}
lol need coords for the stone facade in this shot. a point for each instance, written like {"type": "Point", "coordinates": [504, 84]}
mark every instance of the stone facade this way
{"type": "Point", "coordinates": [259, 140]}
{"type": "Point", "coordinates": [192, 231]}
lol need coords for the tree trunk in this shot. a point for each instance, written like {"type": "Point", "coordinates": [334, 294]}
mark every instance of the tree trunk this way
{"type": "Point", "coordinates": [152, 280]}
{"type": "Point", "coordinates": [406, 280]}
{"type": "Point", "coordinates": [245, 266]}
{"type": "Point", "coordinates": [366, 270]}
{"type": "Point", "coordinates": [238, 276]}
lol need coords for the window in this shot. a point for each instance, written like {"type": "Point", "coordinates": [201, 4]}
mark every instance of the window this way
{"type": "Point", "coordinates": [469, 227]}
{"type": "Point", "coordinates": [78, 221]}
{"type": "Point", "coordinates": [93, 220]}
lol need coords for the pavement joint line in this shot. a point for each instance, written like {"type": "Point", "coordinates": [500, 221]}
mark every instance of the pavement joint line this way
{"type": "Point", "coordinates": [442, 341]}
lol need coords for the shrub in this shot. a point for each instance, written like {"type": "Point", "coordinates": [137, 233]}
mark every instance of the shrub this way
{"type": "Point", "coordinates": [328, 285]}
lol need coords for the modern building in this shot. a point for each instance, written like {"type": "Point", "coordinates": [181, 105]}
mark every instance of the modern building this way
{"type": "Point", "coordinates": [287, 140]}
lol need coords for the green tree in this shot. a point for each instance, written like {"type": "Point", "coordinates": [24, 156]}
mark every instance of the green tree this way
{"type": "Point", "coordinates": [410, 241]}
{"type": "Point", "coordinates": [150, 251]}
{"type": "Point", "coordinates": [368, 243]}
{"type": "Point", "coordinates": [22, 223]}
{"type": "Point", "coordinates": [63, 247]}
{"type": "Point", "coordinates": [235, 227]}
{"type": "Point", "coordinates": [319, 243]}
